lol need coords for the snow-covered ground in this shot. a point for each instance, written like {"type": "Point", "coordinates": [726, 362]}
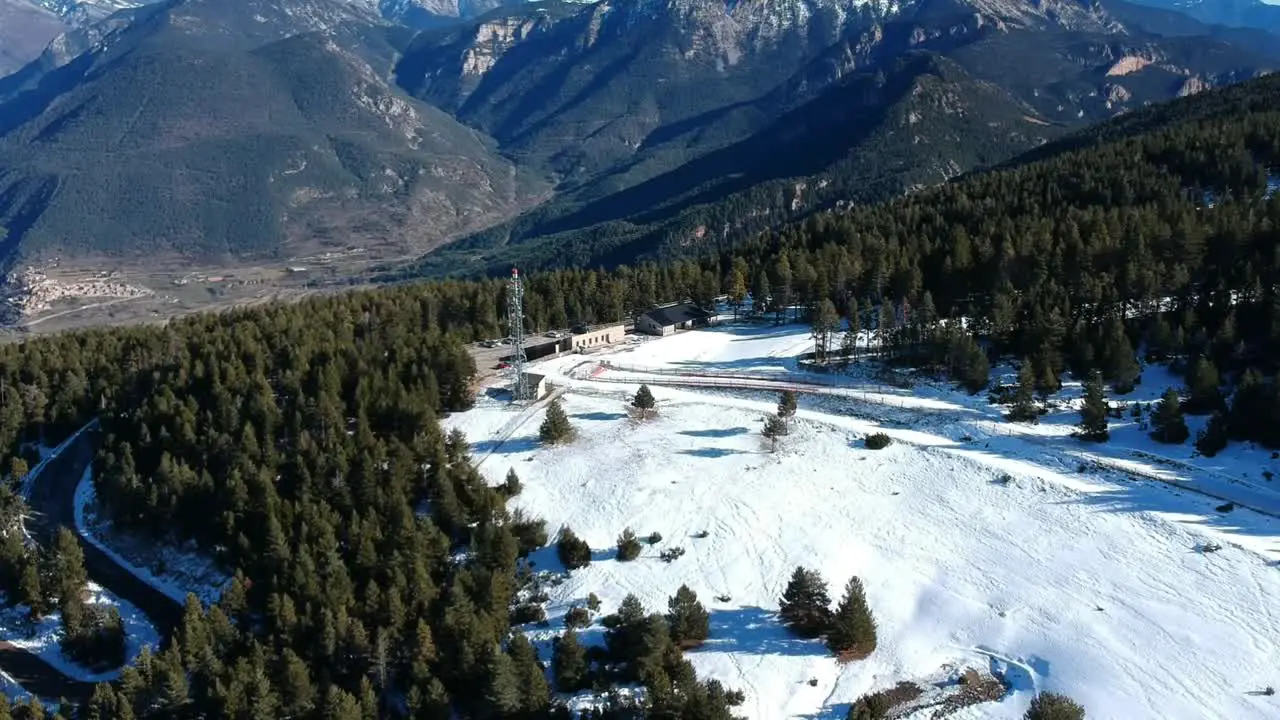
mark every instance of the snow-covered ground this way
{"type": "Point", "coordinates": [171, 570]}
{"type": "Point", "coordinates": [1079, 574]}
{"type": "Point", "coordinates": [42, 637]}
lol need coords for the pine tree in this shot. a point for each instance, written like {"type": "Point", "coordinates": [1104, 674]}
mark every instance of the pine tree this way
{"type": "Point", "coordinates": [689, 622]}
{"type": "Point", "coordinates": [1204, 395]}
{"type": "Point", "coordinates": [511, 484]}
{"type": "Point", "coordinates": [787, 408]}
{"type": "Point", "coordinates": [534, 693]}
{"type": "Point", "coordinates": [852, 632]}
{"type": "Point", "coordinates": [1167, 422]}
{"type": "Point", "coordinates": [806, 606]}
{"type": "Point", "coordinates": [774, 428]}
{"type": "Point", "coordinates": [502, 687]}
{"type": "Point", "coordinates": [569, 663]}
{"type": "Point", "coordinates": [737, 285]}
{"type": "Point", "coordinates": [67, 567]}
{"type": "Point", "coordinates": [1213, 438]}
{"type": "Point", "coordinates": [1093, 413]}
{"type": "Point", "coordinates": [628, 546]}
{"type": "Point", "coordinates": [644, 402]}
{"type": "Point", "coordinates": [1248, 406]}
{"type": "Point", "coordinates": [826, 321]}
{"type": "Point", "coordinates": [1122, 367]}
{"type": "Point", "coordinates": [1024, 403]}
{"type": "Point", "coordinates": [977, 368]}
{"type": "Point", "coordinates": [555, 428]}
{"type": "Point", "coordinates": [572, 550]}
{"type": "Point", "coordinates": [1052, 706]}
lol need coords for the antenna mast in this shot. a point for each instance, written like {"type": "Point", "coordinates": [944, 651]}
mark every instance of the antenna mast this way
{"type": "Point", "coordinates": [515, 326]}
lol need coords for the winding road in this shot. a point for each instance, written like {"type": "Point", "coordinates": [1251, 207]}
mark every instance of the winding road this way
{"type": "Point", "coordinates": [52, 500]}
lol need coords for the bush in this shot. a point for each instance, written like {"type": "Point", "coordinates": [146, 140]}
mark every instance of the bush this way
{"type": "Point", "coordinates": [671, 554]}
{"type": "Point", "coordinates": [1051, 706]}
{"type": "Point", "coordinates": [1213, 438]}
{"type": "Point", "coordinates": [655, 538]}
{"type": "Point", "coordinates": [573, 551]}
{"type": "Point", "coordinates": [530, 534]}
{"type": "Point", "coordinates": [577, 618]}
{"type": "Point", "coordinates": [628, 546]}
{"type": "Point", "coordinates": [525, 613]}
{"type": "Point", "coordinates": [593, 602]}
{"type": "Point", "coordinates": [878, 704]}
{"type": "Point", "coordinates": [94, 637]}
{"type": "Point", "coordinates": [877, 441]}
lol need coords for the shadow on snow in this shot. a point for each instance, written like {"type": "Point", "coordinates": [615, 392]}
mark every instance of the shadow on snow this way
{"type": "Point", "coordinates": [756, 631]}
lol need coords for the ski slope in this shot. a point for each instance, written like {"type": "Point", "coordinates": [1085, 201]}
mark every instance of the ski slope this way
{"type": "Point", "coordinates": [980, 544]}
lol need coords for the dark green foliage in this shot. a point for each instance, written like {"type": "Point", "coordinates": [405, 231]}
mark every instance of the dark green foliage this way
{"type": "Point", "coordinates": [774, 428]}
{"type": "Point", "coordinates": [1093, 411]}
{"type": "Point", "coordinates": [569, 663]}
{"type": "Point", "coordinates": [535, 694]}
{"type": "Point", "coordinates": [826, 322]}
{"type": "Point", "coordinates": [877, 441]}
{"type": "Point", "coordinates": [530, 533]}
{"type": "Point", "coordinates": [1203, 393]}
{"type": "Point", "coordinates": [1168, 425]}
{"type": "Point", "coordinates": [644, 401]}
{"type": "Point", "coordinates": [1052, 706]}
{"type": "Point", "coordinates": [1213, 438]}
{"type": "Point", "coordinates": [511, 485]}
{"type": "Point", "coordinates": [689, 622]}
{"type": "Point", "coordinates": [93, 636]}
{"type": "Point", "coordinates": [851, 633]}
{"type": "Point", "coordinates": [526, 613]}
{"type": "Point", "coordinates": [628, 546]}
{"type": "Point", "coordinates": [787, 406]}
{"type": "Point", "coordinates": [577, 618]}
{"type": "Point", "coordinates": [805, 606]}
{"type": "Point", "coordinates": [655, 538]}
{"type": "Point", "coordinates": [573, 551]}
{"type": "Point", "coordinates": [877, 705]}
{"type": "Point", "coordinates": [1024, 408]}
{"type": "Point", "coordinates": [555, 427]}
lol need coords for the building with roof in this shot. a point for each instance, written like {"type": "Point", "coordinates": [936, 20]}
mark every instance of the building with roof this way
{"type": "Point", "coordinates": [667, 319]}
{"type": "Point", "coordinates": [536, 385]}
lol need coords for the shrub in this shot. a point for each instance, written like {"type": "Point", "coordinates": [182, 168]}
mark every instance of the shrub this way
{"type": "Point", "coordinates": [1052, 706]}
{"type": "Point", "coordinates": [877, 441]}
{"type": "Point", "coordinates": [701, 535]}
{"type": "Point", "coordinates": [1213, 438]}
{"type": "Point", "coordinates": [511, 485]}
{"type": "Point", "coordinates": [593, 602]}
{"type": "Point", "coordinates": [530, 533]}
{"type": "Point", "coordinates": [525, 613]}
{"type": "Point", "coordinates": [573, 551]}
{"type": "Point", "coordinates": [655, 538]}
{"type": "Point", "coordinates": [671, 554]}
{"type": "Point", "coordinates": [577, 617]}
{"type": "Point", "coordinates": [628, 546]}
{"type": "Point", "coordinates": [93, 637]}
{"type": "Point", "coordinates": [876, 705]}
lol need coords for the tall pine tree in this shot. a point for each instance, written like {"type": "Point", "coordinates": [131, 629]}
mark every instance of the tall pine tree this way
{"type": "Point", "coordinates": [806, 605]}
{"type": "Point", "coordinates": [690, 624]}
{"type": "Point", "coordinates": [852, 631]}
{"type": "Point", "coordinates": [1093, 412]}
{"type": "Point", "coordinates": [1168, 425]}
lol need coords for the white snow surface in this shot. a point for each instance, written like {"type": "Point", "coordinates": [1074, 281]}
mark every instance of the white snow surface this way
{"type": "Point", "coordinates": [42, 637]}
{"type": "Point", "coordinates": [1083, 574]}
{"type": "Point", "coordinates": [171, 570]}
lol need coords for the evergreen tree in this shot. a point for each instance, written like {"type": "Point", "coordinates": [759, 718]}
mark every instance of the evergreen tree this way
{"type": "Point", "coordinates": [555, 428]}
{"type": "Point", "coordinates": [1024, 407]}
{"type": "Point", "coordinates": [826, 321]}
{"type": "Point", "coordinates": [644, 402]}
{"type": "Point", "coordinates": [628, 546]}
{"type": "Point", "coordinates": [1204, 395]}
{"type": "Point", "coordinates": [787, 408]}
{"type": "Point", "coordinates": [572, 550]}
{"type": "Point", "coordinates": [569, 663]}
{"type": "Point", "coordinates": [689, 622]}
{"type": "Point", "coordinates": [1168, 425]}
{"type": "Point", "coordinates": [1249, 410]}
{"type": "Point", "coordinates": [67, 567]}
{"type": "Point", "coordinates": [774, 428]}
{"type": "Point", "coordinates": [1093, 412]}
{"type": "Point", "coordinates": [852, 631]}
{"type": "Point", "coordinates": [977, 369]}
{"type": "Point", "coordinates": [511, 484]}
{"type": "Point", "coordinates": [534, 693]}
{"type": "Point", "coordinates": [1122, 367]}
{"type": "Point", "coordinates": [1052, 706]}
{"type": "Point", "coordinates": [1213, 438]}
{"type": "Point", "coordinates": [806, 606]}
{"type": "Point", "coordinates": [502, 687]}
{"type": "Point", "coordinates": [737, 285]}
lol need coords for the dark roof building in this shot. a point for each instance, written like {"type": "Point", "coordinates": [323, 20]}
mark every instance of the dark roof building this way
{"type": "Point", "coordinates": [677, 316]}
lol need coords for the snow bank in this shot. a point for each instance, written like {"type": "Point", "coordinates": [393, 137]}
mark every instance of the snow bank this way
{"type": "Point", "coordinates": [980, 543]}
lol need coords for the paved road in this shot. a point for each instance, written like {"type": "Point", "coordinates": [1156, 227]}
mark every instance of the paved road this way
{"type": "Point", "coordinates": [52, 502]}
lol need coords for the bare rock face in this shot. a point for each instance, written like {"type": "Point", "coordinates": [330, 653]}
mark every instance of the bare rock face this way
{"type": "Point", "coordinates": [1193, 85]}
{"type": "Point", "coordinates": [1127, 64]}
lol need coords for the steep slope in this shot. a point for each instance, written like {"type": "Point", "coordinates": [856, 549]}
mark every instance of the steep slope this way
{"type": "Point", "coordinates": [243, 128]}
{"type": "Point", "coordinates": [725, 138]}
{"type": "Point", "coordinates": [25, 30]}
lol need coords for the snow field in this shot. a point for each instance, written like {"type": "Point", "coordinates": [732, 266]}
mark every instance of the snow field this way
{"type": "Point", "coordinates": [1085, 583]}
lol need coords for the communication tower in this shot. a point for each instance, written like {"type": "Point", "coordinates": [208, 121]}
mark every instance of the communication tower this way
{"type": "Point", "coordinates": [515, 326]}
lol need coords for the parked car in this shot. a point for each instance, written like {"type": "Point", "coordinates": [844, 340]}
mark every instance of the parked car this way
{"type": "Point", "coordinates": [502, 365]}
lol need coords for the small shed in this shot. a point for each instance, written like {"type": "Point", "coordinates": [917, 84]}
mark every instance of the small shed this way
{"type": "Point", "coordinates": [667, 319]}
{"type": "Point", "coordinates": [537, 385]}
